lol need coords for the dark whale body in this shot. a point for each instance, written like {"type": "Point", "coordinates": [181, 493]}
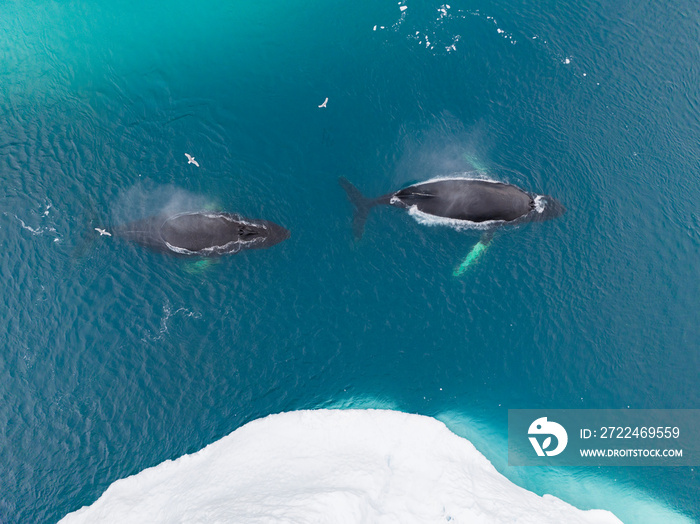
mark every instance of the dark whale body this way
{"type": "Point", "coordinates": [472, 201]}
{"type": "Point", "coordinates": [202, 233]}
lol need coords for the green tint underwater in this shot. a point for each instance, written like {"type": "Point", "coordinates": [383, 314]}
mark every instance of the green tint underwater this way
{"type": "Point", "coordinates": [115, 358]}
{"type": "Point", "coordinates": [478, 250]}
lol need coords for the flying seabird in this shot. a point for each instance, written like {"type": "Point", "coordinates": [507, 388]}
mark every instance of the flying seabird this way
{"type": "Point", "coordinates": [324, 103]}
{"type": "Point", "coordinates": [191, 160]}
{"type": "Point", "coordinates": [103, 232]}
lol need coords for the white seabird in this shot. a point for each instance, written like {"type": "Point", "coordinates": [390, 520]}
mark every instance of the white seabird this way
{"type": "Point", "coordinates": [324, 103]}
{"type": "Point", "coordinates": [191, 160]}
{"type": "Point", "coordinates": [103, 232]}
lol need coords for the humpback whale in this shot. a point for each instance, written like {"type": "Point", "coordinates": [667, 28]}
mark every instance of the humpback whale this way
{"type": "Point", "coordinates": [202, 233]}
{"type": "Point", "coordinates": [464, 202]}
{"type": "Point", "coordinates": [461, 203]}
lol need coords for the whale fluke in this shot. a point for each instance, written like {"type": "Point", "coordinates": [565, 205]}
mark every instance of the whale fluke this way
{"type": "Point", "coordinates": [362, 206]}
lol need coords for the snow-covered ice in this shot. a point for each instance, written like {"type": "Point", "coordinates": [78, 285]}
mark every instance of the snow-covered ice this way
{"type": "Point", "coordinates": [339, 466]}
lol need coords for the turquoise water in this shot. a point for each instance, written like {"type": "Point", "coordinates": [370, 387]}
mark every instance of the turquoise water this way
{"type": "Point", "coordinates": [115, 358]}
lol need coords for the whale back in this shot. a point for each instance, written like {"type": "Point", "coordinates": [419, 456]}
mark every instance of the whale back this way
{"type": "Point", "coordinates": [198, 231]}
{"type": "Point", "coordinates": [202, 233]}
{"type": "Point", "coordinates": [467, 199]}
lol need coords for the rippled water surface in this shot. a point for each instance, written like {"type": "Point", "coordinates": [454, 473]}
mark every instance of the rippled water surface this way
{"type": "Point", "coordinates": [115, 358]}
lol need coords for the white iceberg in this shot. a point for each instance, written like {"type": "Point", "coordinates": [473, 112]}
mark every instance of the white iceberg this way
{"type": "Point", "coordinates": [339, 466]}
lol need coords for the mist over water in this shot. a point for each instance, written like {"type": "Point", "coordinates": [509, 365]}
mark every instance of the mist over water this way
{"type": "Point", "coordinates": [116, 358]}
{"type": "Point", "coordinates": [141, 201]}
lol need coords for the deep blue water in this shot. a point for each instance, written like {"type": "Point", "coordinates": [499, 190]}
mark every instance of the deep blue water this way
{"type": "Point", "coordinates": [115, 358]}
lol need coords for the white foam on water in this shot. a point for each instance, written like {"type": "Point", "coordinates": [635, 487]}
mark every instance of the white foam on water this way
{"type": "Point", "coordinates": [38, 230]}
{"type": "Point", "coordinates": [34, 231]}
{"type": "Point", "coordinates": [230, 248]}
{"type": "Point", "coordinates": [540, 203]}
{"type": "Point", "coordinates": [331, 466]}
{"type": "Point", "coordinates": [468, 175]}
{"type": "Point", "coordinates": [180, 250]}
{"type": "Point", "coordinates": [230, 217]}
{"type": "Point", "coordinates": [168, 313]}
{"type": "Point", "coordinates": [438, 34]}
{"type": "Point", "coordinates": [459, 225]}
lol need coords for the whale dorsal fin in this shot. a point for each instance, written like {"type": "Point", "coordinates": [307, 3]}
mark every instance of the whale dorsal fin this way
{"type": "Point", "coordinates": [415, 194]}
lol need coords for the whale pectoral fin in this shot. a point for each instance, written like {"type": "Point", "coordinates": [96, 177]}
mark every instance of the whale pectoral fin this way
{"type": "Point", "coordinates": [200, 266]}
{"type": "Point", "coordinates": [474, 161]}
{"type": "Point", "coordinates": [473, 255]}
